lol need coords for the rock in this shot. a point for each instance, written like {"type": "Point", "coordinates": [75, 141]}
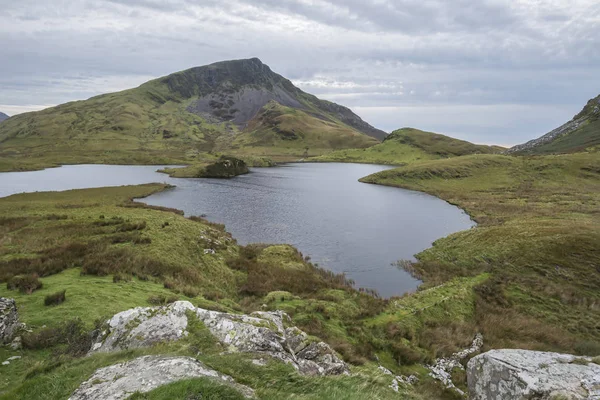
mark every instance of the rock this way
{"type": "Point", "coordinates": [17, 343]}
{"type": "Point", "coordinates": [523, 374]}
{"type": "Point", "coordinates": [9, 320]}
{"type": "Point", "coordinates": [442, 370]}
{"type": "Point", "coordinates": [142, 327]}
{"type": "Point", "coordinates": [145, 374]}
{"type": "Point", "coordinates": [262, 332]}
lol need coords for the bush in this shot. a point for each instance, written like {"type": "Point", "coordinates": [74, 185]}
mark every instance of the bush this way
{"type": "Point", "coordinates": [119, 277]}
{"type": "Point", "coordinates": [161, 299]}
{"type": "Point", "coordinates": [73, 334]}
{"type": "Point", "coordinates": [56, 298]}
{"type": "Point", "coordinates": [24, 283]}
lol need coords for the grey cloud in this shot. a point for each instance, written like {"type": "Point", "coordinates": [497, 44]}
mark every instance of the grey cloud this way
{"type": "Point", "coordinates": [466, 53]}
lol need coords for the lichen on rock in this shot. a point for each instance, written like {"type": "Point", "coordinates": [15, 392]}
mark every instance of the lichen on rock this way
{"type": "Point", "coordinates": [524, 374]}
{"type": "Point", "coordinates": [147, 373]}
{"type": "Point", "coordinates": [261, 332]}
{"type": "Point", "coordinates": [9, 320]}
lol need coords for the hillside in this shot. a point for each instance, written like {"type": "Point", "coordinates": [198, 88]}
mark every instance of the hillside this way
{"type": "Point", "coordinates": [240, 105]}
{"type": "Point", "coordinates": [407, 145]}
{"type": "Point", "coordinates": [3, 116]}
{"type": "Point", "coordinates": [580, 133]}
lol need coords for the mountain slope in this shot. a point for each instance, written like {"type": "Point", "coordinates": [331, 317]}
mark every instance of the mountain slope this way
{"type": "Point", "coordinates": [582, 132]}
{"type": "Point", "coordinates": [408, 145]}
{"type": "Point", "coordinates": [3, 116]}
{"type": "Point", "coordinates": [174, 117]}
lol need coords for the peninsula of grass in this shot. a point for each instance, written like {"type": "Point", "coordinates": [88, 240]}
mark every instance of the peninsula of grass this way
{"type": "Point", "coordinates": [537, 241]}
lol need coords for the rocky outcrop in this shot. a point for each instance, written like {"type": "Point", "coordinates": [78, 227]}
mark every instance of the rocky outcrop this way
{"type": "Point", "coordinates": [9, 320]}
{"type": "Point", "coordinates": [590, 113]}
{"type": "Point", "coordinates": [442, 369]}
{"type": "Point", "coordinates": [522, 374]}
{"type": "Point", "coordinates": [145, 374]}
{"type": "Point", "coordinates": [261, 332]}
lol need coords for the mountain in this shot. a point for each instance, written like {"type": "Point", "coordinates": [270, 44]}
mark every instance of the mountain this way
{"type": "Point", "coordinates": [3, 116]}
{"type": "Point", "coordinates": [233, 106]}
{"type": "Point", "coordinates": [408, 145]}
{"type": "Point", "coordinates": [582, 132]}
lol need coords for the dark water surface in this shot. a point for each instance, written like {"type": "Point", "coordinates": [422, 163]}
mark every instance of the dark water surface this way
{"type": "Point", "coordinates": [322, 209]}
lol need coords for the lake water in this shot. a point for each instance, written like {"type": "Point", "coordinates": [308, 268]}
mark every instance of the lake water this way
{"type": "Point", "coordinates": [342, 224]}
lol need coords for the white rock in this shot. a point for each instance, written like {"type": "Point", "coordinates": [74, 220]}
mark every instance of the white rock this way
{"type": "Point", "coordinates": [142, 327]}
{"type": "Point", "coordinates": [262, 332]}
{"type": "Point", "coordinates": [145, 374]}
{"type": "Point", "coordinates": [522, 374]}
{"type": "Point", "coordinates": [9, 320]}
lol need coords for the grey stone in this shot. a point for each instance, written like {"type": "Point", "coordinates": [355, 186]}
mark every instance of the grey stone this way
{"type": "Point", "coordinates": [9, 320]}
{"type": "Point", "coordinates": [142, 327]}
{"type": "Point", "coordinates": [147, 373]}
{"type": "Point", "coordinates": [442, 369]}
{"type": "Point", "coordinates": [261, 332]}
{"type": "Point", "coordinates": [523, 374]}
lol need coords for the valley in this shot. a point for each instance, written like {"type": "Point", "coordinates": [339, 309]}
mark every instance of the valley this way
{"type": "Point", "coordinates": [304, 240]}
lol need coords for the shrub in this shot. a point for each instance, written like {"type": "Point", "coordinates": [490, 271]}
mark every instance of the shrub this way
{"type": "Point", "coordinates": [588, 348]}
{"type": "Point", "coordinates": [55, 299]}
{"type": "Point", "coordinates": [161, 299]}
{"type": "Point", "coordinates": [190, 291]}
{"type": "Point", "coordinates": [24, 283]}
{"type": "Point", "coordinates": [131, 226]}
{"type": "Point", "coordinates": [119, 277]}
{"type": "Point", "coordinates": [73, 334]}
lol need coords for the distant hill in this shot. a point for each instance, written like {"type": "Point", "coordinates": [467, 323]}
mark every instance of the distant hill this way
{"type": "Point", "coordinates": [580, 133]}
{"type": "Point", "coordinates": [3, 116]}
{"type": "Point", "coordinates": [408, 145]}
{"type": "Point", "coordinates": [239, 106]}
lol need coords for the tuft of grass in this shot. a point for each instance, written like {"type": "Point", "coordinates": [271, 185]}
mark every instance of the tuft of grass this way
{"type": "Point", "coordinates": [55, 298]}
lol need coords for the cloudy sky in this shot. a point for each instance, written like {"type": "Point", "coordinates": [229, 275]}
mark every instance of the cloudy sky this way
{"type": "Point", "coordinates": [489, 71]}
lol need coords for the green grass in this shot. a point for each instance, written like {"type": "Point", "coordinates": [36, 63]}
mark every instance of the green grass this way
{"type": "Point", "coordinates": [79, 240]}
{"type": "Point", "coordinates": [87, 297]}
{"type": "Point", "coordinates": [537, 237]}
{"type": "Point", "coordinates": [408, 145]}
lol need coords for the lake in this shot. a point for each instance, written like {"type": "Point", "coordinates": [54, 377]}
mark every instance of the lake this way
{"type": "Point", "coordinates": [342, 224]}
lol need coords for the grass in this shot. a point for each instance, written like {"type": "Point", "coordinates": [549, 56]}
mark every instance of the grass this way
{"type": "Point", "coordinates": [537, 238]}
{"type": "Point", "coordinates": [585, 136]}
{"type": "Point", "coordinates": [86, 243]}
{"type": "Point", "coordinates": [407, 146]}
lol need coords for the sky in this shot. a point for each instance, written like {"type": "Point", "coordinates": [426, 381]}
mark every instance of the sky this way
{"type": "Point", "coordinates": [488, 71]}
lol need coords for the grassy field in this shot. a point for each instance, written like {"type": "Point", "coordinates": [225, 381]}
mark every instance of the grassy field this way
{"type": "Point", "coordinates": [537, 239]}
{"type": "Point", "coordinates": [109, 254]}
{"type": "Point", "coordinates": [408, 145]}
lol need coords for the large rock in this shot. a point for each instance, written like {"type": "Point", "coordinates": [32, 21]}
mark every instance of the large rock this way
{"type": "Point", "coordinates": [9, 320]}
{"type": "Point", "coordinates": [261, 332]}
{"type": "Point", "coordinates": [145, 374]}
{"type": "Point", "coordinates": [522, 374]}
{"type": "Point", "coordinates": [143, 326]}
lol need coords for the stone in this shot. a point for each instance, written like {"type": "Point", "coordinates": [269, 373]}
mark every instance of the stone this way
{"type": "Point", "coordinates": [147, 373]}
{"type": "Point", "coordinates": [142, 327]}
{"type": "Point", "coordinates": [17, 343]}
{"type": "Point", "coordinates": [442, 369]}
{"type": "Point", "coordinates": [523, 374]}
{"type": "Point", "coordinates": [9, 320]}
{"type": "Point", "coordinates": [262, 332]}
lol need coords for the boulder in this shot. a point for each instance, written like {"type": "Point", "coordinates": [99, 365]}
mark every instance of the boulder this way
{"type": "Point", "coordinates": [522, 374]}
{"type": "Point", "coordinates": [142, 327]}
{"type": "Point", "coordinates": [262, 332]}
{"type": "Point", "coordinates": [145, 374]}
{"type": "Point", "coordinates": [9, 320]}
